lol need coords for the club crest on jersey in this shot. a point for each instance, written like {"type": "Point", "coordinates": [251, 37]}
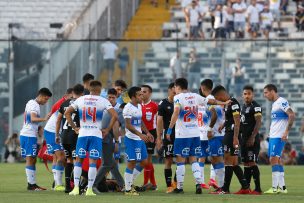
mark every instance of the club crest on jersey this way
{"type": "Point", "coordinates": [94, 153]}
{"type": "Point", "coordinates": [247, 109]}
{"type": "Point", "coordinates": [186, 151]}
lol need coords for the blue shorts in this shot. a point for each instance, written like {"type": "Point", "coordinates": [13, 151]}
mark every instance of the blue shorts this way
{"type": "Point", "coordinates": [117, 154]}
{"type": "Point", "coordinates": [90, 144]}
{"type": "Point", "coordinates": [186, 147]}
{"type": "Point", "coordinates": [276, 146]}
{"type": "Point", "coordinates": [204, 148]}
{"type": "Point", "coordinates": [50, 139]}
{"type": "Point", "coordinates": [135, 149]}
{"type": "Point", "coordinates": [28, 146]}
{"type": "Point", "coordinates": [216, 146]}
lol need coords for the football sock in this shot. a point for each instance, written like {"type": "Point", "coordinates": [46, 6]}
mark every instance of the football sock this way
{"type": "Point", "coordinates": [282, 178]}
{"type": "Point", "coordinates": [212, 172]}
{"type": "Point", "coordinates": [196, 170]}
{"type": "Point", "coordinates": [68, 172]}
{"type": "Point", "coordinates": [147, 173]}
{"type": "Point", "coordinates": [180, 175]}
{"type": "Point", "coordinates": [137, 170]}
{"type": "Point", "coordinates": [275, 176]}
{"type": "Point", "coordinates": [219, 169]}
{"type": "Point", "coordinates": [202, 169]}
{"type": "Point", "coordinates": [248, 174]}
{"type": "Point", "coordinates": [152, 177]}
{"type": "Point", "coordinates": [54, 173]}
{"type": "Point", "coordinates": [128, 179]}
{"type": "Point", "coordinates": [59, 173]}
{"type": "Point", "coordinates": [240, 175]}
{"type": "Point", "coordinates": [168, 176]}
{"type": "Point", "coordinates": [77, 173]}
{"type": "Point", "coordinates": [227, 179]}
{"type": "Point", "coordinates": [31, 174]}
{"type": "Point", "coordinates": [256, 177]}
{"type": "Point", "coordinates": [92, 175]}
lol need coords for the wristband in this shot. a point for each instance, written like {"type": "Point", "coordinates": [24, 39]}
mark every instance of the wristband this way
{"type": "Point", "coordinates": [169, 131]}
{"type": "Point", "coordinates": [209, 129]}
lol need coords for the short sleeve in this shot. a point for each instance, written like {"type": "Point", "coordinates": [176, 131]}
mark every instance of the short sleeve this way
{"type": "Point", "coordinates": [127, 113]}
{"type": "Point", "coordinates": [235, 108]}
{"type": "Point", "coordinates": [33, 108]}
{"type": "Point", "coordinates": [61, 109]}
{"type": "Point", "coordinates": [107, 104]}
{"type": "Point", "coordinates": [75, 104]}
{"type": "Point", "coordinates": [284, 105]}
{"type": "Point", "coordinates": [161, 110]}
{"type": "Point", "coordinates": [202, 100]}
{"type": "Point", "coordinates": [257, 110]}
{"type": "Point", "coordinates": [177, 101]}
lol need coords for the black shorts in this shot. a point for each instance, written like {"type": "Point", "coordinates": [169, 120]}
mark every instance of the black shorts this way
{"type": "Point", "coordinates": [69, 150]}
{"type": "Point", "coordinates": [250, 154]}
{"type": "Point", "coordinates": [220, 33]}
{"type": "Point", "coordinates": [228, 144]}
{"type": "Point", "coordinates": [151, 145]}
{"type": "Point", "coordinates": [109, 64]}
{"type": "Point", "coordinates": [168, 146]}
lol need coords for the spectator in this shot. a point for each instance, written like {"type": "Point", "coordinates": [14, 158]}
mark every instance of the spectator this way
{"type": "Point", "coordinates": [220, 21]}
{"type": "Point", "coordinates": [266, 21]}
{"type": "Point", "coordinates": [239, 9]}
{"type": "Point", "coordinates": [202, 12]}
{"type": "Point", "coordinates": [194, 17]}
{"type": "Point", "coordinates": [108, 49]}
{"type": "Point", "coordinates": [260, 5]}
{"type": "Point", "coordinates": [263, 154]}
{"type": "Point", "coordinates": [230, 23]}
{"type": "Point", "coordinates": [253, 19]}
{"type": "Point", "coordinates": [211, 7]}
{"type": "Point", "coordinates": [289, 155]}
{"type": "Point", "coordinates": [193, 70]}
{"type": "Point", "coordinates": [176, 66]}
{"type": "Point", "coordinates": [238, 73]}
{"type": "Point", "coordinates": [299, 18]}
{"type": "Point", "coordinates": [185, 5]}
{"type": "Point", "coordinates": [283, 7]}
{"type": "Point", "coordinates": [12, 148]}
{"type": "Point", "coordinates": [274, 6]}
{"type": "Point", "coordinates": [124, 61]}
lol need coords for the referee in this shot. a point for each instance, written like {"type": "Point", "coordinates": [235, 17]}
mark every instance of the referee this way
{"type": "Point", "coordinates": [251, 119]}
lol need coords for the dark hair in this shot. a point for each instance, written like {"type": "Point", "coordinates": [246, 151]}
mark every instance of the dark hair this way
{"type": "Point", "coordinates": [171, 85]}
{"type": "Point", "coordinates": [182, 83]}
{"type": "Point", "coordinates": [112, 91]}
{"type": "Point", "coordinates": [95, 83]}
{"type": "Point", "coordinates": [200, 92]}
{"type": "Point", "coordinates": [121, 83]}
{"type": "Point", "coordinates": [207, 83]}
{"type": "Point", "coordinates": [122, 105]}
{"type": "Point", "coordinates": [132, 91]}
{"type": "Point", "coordinates": [87, 77]}
{"type": "Point", "coordinates": [69, 90]}
{"type": "Point", "coordinates": [248, 87]}
{"type": "Point", "coordinates": [271, 87]}
{"type": "Point", "coordinates": [45, 92]}
{"type": "Point", "coordinates": [218, 89]}
{"type": "Point", "coordinates": [147, 86]}
{"type": "Point", "coordinates": [78, 89]}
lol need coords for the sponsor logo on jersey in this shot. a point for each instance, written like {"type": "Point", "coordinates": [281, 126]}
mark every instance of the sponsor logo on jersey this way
{"type": "Point", "coordinates": [235, 106]}
{"type": "Point", "coordinates": [257, 109]}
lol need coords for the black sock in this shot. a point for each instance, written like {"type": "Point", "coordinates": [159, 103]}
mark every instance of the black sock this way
{"type": "Point", "coordinates": [228, 177]}
{"type": "Point", "coordinates": [68, 172]}
{"type": "Point", "coordinates": [168, 176]}
{"type": "Point", "coordinates": [248, 174]}
{"type": "Point", "coordinates": [256, 177]}
{"type": "Point", "coordinates": [240, 175]}
{"type": "Point", "coordinates": [175, 180]}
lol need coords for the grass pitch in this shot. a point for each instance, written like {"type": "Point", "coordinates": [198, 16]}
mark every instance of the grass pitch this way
{"type": "Point", "coordinates": [13, 188]}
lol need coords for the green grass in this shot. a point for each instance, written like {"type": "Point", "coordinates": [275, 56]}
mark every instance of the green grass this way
{"type": "Point", "coordinates": [13, 188]}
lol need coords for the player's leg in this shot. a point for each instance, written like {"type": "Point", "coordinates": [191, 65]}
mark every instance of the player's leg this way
{"type": "Point", "coordinates": [141, 158]}
{"type": "Point", "coordinates": [60, 163]}
{"type": "Point", "coordinates": [168, 173]}
{"type": "Point", "coordinates": [282, 186]}
{"type": "Point", "coordinates": [217, 161]}
{"type": "Point", "coordinates": [194, 153]}
{"type": "Point", "coordinates": [69, 167]}
{"type": "Point", "coordinates": [149, 169]}
{"type": "Point", "coordinates": [50, 140]}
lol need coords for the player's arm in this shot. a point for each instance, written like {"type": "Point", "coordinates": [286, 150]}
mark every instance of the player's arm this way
{"type": "Point", "coordinates": [114, 117]}
{"type": "Point", "coordinates": [116, 133]}
{"type": "Point", "coordinates": [131, 128]}
{"type": "Point", "coordinates": [215, 102]}
{"type": "Point", "coordinates": [174, 118]}
{"type": "Point", "coordinates": [237, 123]}
{"type": "Point", "coordinates": [147, 132]}
{"type": "Point", "coordinates": [258, 124]}
{"type": "Point", "coordinates": [68, 115]}
{"type": "Point", "coordinates": [212, 122]}
{"type": "Point", "coordinates": [291, 118]}
{"type": "Point", "coordinates": [159, 130]}
{"type": "Point", "coordinates": [58, 124]}
{"type": "Point", "coordinates": [36, 119]}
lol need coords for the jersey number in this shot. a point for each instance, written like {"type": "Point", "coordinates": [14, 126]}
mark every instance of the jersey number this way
{"type": "Point", "coordinates": [189, 110]}
{"type": "Point", "coordinates": [91, 112]}
{"type": "Point", "coordinates": [200, 119]}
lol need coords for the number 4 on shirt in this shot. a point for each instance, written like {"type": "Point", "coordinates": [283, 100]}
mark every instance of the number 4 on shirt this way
{"type": "Point", "coordinates": [88, 111]}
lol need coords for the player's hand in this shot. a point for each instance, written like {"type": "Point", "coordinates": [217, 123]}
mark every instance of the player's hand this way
{"type": "Point", "coordinates": [210, 135]}
{"type": "Point", "coordinates": [57, 140]}
{"type": "Point", "coordinates": [250, 142]}
{"type": "Point", "coordinates": [47, 117]}
{"type": "Point", "coordinates": [221, 127]}
{"type": "Point", "coordinates": [168, 137]}
{"type": "Point", "coordinates": [150, 137]}
{"type": "Point", "coordinates": [236, 143]}
{"type": "Point", "coordinates": [76, 130]}
{"type": "Point", "coordinates": [159, 143]}
{"type": "Point", "coordinates": [144, 137]}
{"type": "Point", "coordinates": [116, 147]}
{"type": "Point", "coordinates": [105, 132]}
{"type": "Point", "coordinates": [285, 136]}
{"type": "Point", "coordinates": [228, 102]}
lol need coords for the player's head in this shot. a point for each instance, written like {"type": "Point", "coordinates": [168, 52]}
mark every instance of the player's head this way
{"type": "Point", "coordinates": [95, 87]}
{"type": "Point", "coordinates": [120, 86]}
{"type": "Point", "coordinates": [78, 91]}
{"type": "Point", "coordinates": [220, 93]}
{"type": "Point", "coordinates": [112, 96]}
{"type": "Point", "coordinates": [206, 87]}
{"type": "Point", "coordinates": [270, 92]}
{"type": "Point", "coordinates": [135, 94]}
{"type": "Point", "coordinates": [86, 79]}
{"type": "Point", "coordinates": [69, 93]}
{"type": "Point", "coordinates": [181, 84]}
{"type": "Point", "coordinates": [43, 95]}
{"type": "Point", "coordinates": [146, 92]}
{"type": "Point", "coordinates": [171, 90]}
{"type": "Point", "coordinates": [248, 93]}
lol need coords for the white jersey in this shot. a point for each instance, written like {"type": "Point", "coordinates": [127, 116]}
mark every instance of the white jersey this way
{"type": "Point", "coordinates": [279, 118]}
{"type": "Point", "coordinates": [135, 114]}
{"type": "Point", "coordinates": [29, 128]}
{"type": "Point", "coordinates": [274, 4]}
{"type": "Point", "coordinates": [90, 108]}
{"type": "Point", "coordinates": [187, 124]}
{"type": "Point", "coordinates": [51, 124]}
{"type": "Point", "coordinates": [253, 12]}
{"type": "Point", "coordinates": [204, 119]}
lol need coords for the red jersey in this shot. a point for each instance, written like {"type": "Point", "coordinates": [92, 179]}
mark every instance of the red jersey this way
{"type": "Point", "coordinates": [149, 112]}
{"type": "Point", "coordinates": [57, 105]}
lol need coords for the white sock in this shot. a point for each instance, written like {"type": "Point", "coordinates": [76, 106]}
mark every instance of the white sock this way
{"type": "Point", "coordinates": [54, 173]}
{"type": "Point", "coordinates": [220, 173]}
{"type": "Point", "coordinates": [202, 169]}
{"type": "Point", "coordinates": [128, 179]}
{"type": "Point", "coordinates": [180, 175]}
{"type": "Point", "coordinates": [275, 179]}
{"type": "Point", "coordinates": [197, 173]}
{"type": "Point", "coordinates": [77, 173]}
{"type": "Point", "coordinates": [58, 174]}
{"type": "Point", "coordinates": [212, 172]}
{"type": "Point", "coordinates": [92, 175]}
{"type": "Point", "coordinates": [30, 172]}
{"type": "Point", "coordinates": [137, 170]}
{"type": "Point", "coordinates": [281, 180]}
